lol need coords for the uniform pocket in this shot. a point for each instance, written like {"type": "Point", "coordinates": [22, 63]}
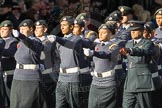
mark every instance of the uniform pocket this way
{"type": "Point", "coordinates": [143, 80]}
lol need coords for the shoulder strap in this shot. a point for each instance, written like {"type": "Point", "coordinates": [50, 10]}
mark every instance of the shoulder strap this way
{"type": "Point", "coordinates": [112, 45]}
{"type": "Point", "coordinates": [89, 34]}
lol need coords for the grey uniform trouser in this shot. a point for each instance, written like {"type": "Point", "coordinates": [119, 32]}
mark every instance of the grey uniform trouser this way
{"type": "Point", "coordinates": [25, 94]}
{"type": "Point", "coordinates": [102, 97]}
{"type": "Point", "coordinates": [67, 95]}
{"type": "Point", "coordinates": [137, 100]}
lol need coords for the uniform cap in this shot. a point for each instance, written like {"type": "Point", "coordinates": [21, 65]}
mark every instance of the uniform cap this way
{"type": "Point", "coordinates": [41, 22]}
{"type": "Point", "coordinates": [69, 19]}
{"type": "Point", "coordinates": [114, 16]}
{"type": "Point", "coordinates": [136, 25]}
{"type": "Point", "coordinates": [125, 10]}
{"type": "Point", "coordinates": [6, 23]}
{"type": "Point", "coordinates": [107, 26]}
{"type": "Point", "coordinates": [158, 12]}
{"type": "Point", "coordinates": [79, 22]}
{"type": "Point", "coordinates": [149, 26]}
{"type": "Point", "coordinates": [26, 22]}
{"type": "Point", "coordinates": [83, 16]}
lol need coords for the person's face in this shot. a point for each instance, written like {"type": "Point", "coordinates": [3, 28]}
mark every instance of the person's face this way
{"type": "Point", "coordinates": [104, 34]}
{"type": "Point", "coordinates": [124, 19]}
{"type": "Point", "coordinates": [159, 20]}
{"type": "Point", "coordinates": [27, 31]}
{"type": "Point", "coordinates": [136, 34]}
{"type": "Point", "coordinates": [5, 32]}
{"type": "Point", "coordinates": [77, 30]}
{"type": "Point", "coordinates": [40, 30]}
{"type": "Point", "coordinates": [66, 28]}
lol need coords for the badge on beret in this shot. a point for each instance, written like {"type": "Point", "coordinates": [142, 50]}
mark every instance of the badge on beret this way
{"type": "Point", "coordinates": [82, 17]}
{"type": "Point", "coordinates": [115, 15]}
{"type": "Point", "coordinates": [75, 22]}
{"type": "Point", "coordinates": [5, 25]}
{"type": "Point", "coordinates": [122, 9]}
{"type": "Point", "coordinates": [110, 18]}
{"type": "Point", "coordinates": [64, 19]}
{"type": "Point", "coordinates": [25, 24]}
{"type": "Point", "coordinates": [38, 23]}
{"type": "Point", "coordinates": [104, 27]}
{"type": "Point", "coordinates": [160, 12]}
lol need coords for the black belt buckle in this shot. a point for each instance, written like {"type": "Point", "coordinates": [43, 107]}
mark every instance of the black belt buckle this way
{"type": "Point", "coordinates": [99, 75]}
{"type": "Point", "coordinates": [21, 66]}
{"type": "Point", "coordinates": [64, 70]}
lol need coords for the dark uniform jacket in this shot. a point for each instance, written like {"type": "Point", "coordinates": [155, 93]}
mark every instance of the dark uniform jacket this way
{"type": "Point", "coordinates": [2, 87]}
{"type": "Point", "coordinates": [139, 77]}
{"type": "Point", "coordinates": [8, 60]}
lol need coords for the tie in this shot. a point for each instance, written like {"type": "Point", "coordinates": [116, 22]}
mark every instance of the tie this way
{"type": "Point", "coordinates": [102, 44]}
{"type": "Point", "coordinates": [134, 43]}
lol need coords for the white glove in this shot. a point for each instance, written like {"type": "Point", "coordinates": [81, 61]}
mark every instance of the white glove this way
{"type": "Point", "coordinates": [88, 52]}
{"type": "Point", "coordinates": [15, 33]}
{"type": "Point", "coordinates": [51, 38]}
{"type": "Point", "coordinates": [160, 44]}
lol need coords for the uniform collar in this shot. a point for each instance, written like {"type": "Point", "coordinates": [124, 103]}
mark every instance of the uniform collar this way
{"type": "Point", "coordinates": [69, 35]}
{"type": "Point", "coordinates": [105, 43]}
{"type": "Point", "coordinates": [137, 40]}
{"type": "Point", "coordinates": [7, 38]}
{"type": "Point", "coordinates": [42, 38]}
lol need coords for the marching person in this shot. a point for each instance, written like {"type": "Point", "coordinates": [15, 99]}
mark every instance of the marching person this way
{"type": "Point", "coordinates": [8, 62]}
{"type": "Point", "coordinates": [138, 83]}
{"type": "Point", "coordinates": [3, 95]}
{"type": "Point", "coordinates": [103, 87]}
{"type": "Point", "coordinates": [72, 65]}
{"type": "Point", "coordinates": [90, 34]}
{"type": "Point", "coordinates": [25, 91]}
{"type": "Point", "coordinates": [50, 60]}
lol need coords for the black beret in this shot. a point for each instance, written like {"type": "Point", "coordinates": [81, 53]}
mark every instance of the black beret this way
{"type": "Point", "coordinates": [114, 16]}
{"type": "Point", "coordinates": [149, 26]}
{"type": "Point", "coordinates": [125, 10]}
{"type": "Point", "coordinates": [79, 22]}
{"type": "Point", "coordinates": [136, 25]}
{"type": "Point", "coordinates": [69, 19]}
{"type": "Point", "coordinates": [26, 22]}
{"type": "Point", "coordinates": [158, 12]}
{"type": "Point", "coordinates": [6, 23]}
{"type": "Point", "coordinates": [107, 26]}
{"type": "Point", "coordinates": [41, 22]}
{"type": "Point", "coordinates": [83, 16]}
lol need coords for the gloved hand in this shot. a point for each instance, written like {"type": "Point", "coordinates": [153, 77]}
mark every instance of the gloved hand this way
{"type": "Point", "coordinates": [51, 38]}
{"type": "Point", "coordinates": [124, 51]}
{"type": "Point", "coordinates": [15, 33]}
{"type": "Point", "coordinates": [160, 44]}
{"type": "Point", "coordinates": [88, 52]}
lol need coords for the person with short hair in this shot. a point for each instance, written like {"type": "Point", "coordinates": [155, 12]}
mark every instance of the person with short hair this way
{"type": "Point", "coordinates": [25, 90]}
{"type": "Point", "coordinates": [138, 84]}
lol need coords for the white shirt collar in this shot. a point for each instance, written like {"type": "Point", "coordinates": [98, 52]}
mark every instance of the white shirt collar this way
{"type": "Point", "coordinates": [42, 38]}
{"type": "Point", "coordinates": [137, 40]}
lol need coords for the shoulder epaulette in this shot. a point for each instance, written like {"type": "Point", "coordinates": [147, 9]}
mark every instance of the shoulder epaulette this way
{"type": "Point", "coordinates": [112, 45]}
{"type": "Point", "coordinates": [90, 33]}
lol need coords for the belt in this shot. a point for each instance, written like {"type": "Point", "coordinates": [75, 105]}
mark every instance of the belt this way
{"type": "Point", "coordinates": [74, 70]}
{"type": "Point", "coordinates": [84, 70]}
{"type": "Point", "coordinates": [47, 71]}
{"type": "Point", "coordinates": [118, 66]}
{"type": "Point", "coordinates": [155, 74]}
{"type": "Point", "coordinates": [103, 74]}
{"type": "Point", "coordinates": [27, 66]}
{"type": "Point", "coordinates": [70, 70]}
{"type": "Point", "coordinates": [159, 67]}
